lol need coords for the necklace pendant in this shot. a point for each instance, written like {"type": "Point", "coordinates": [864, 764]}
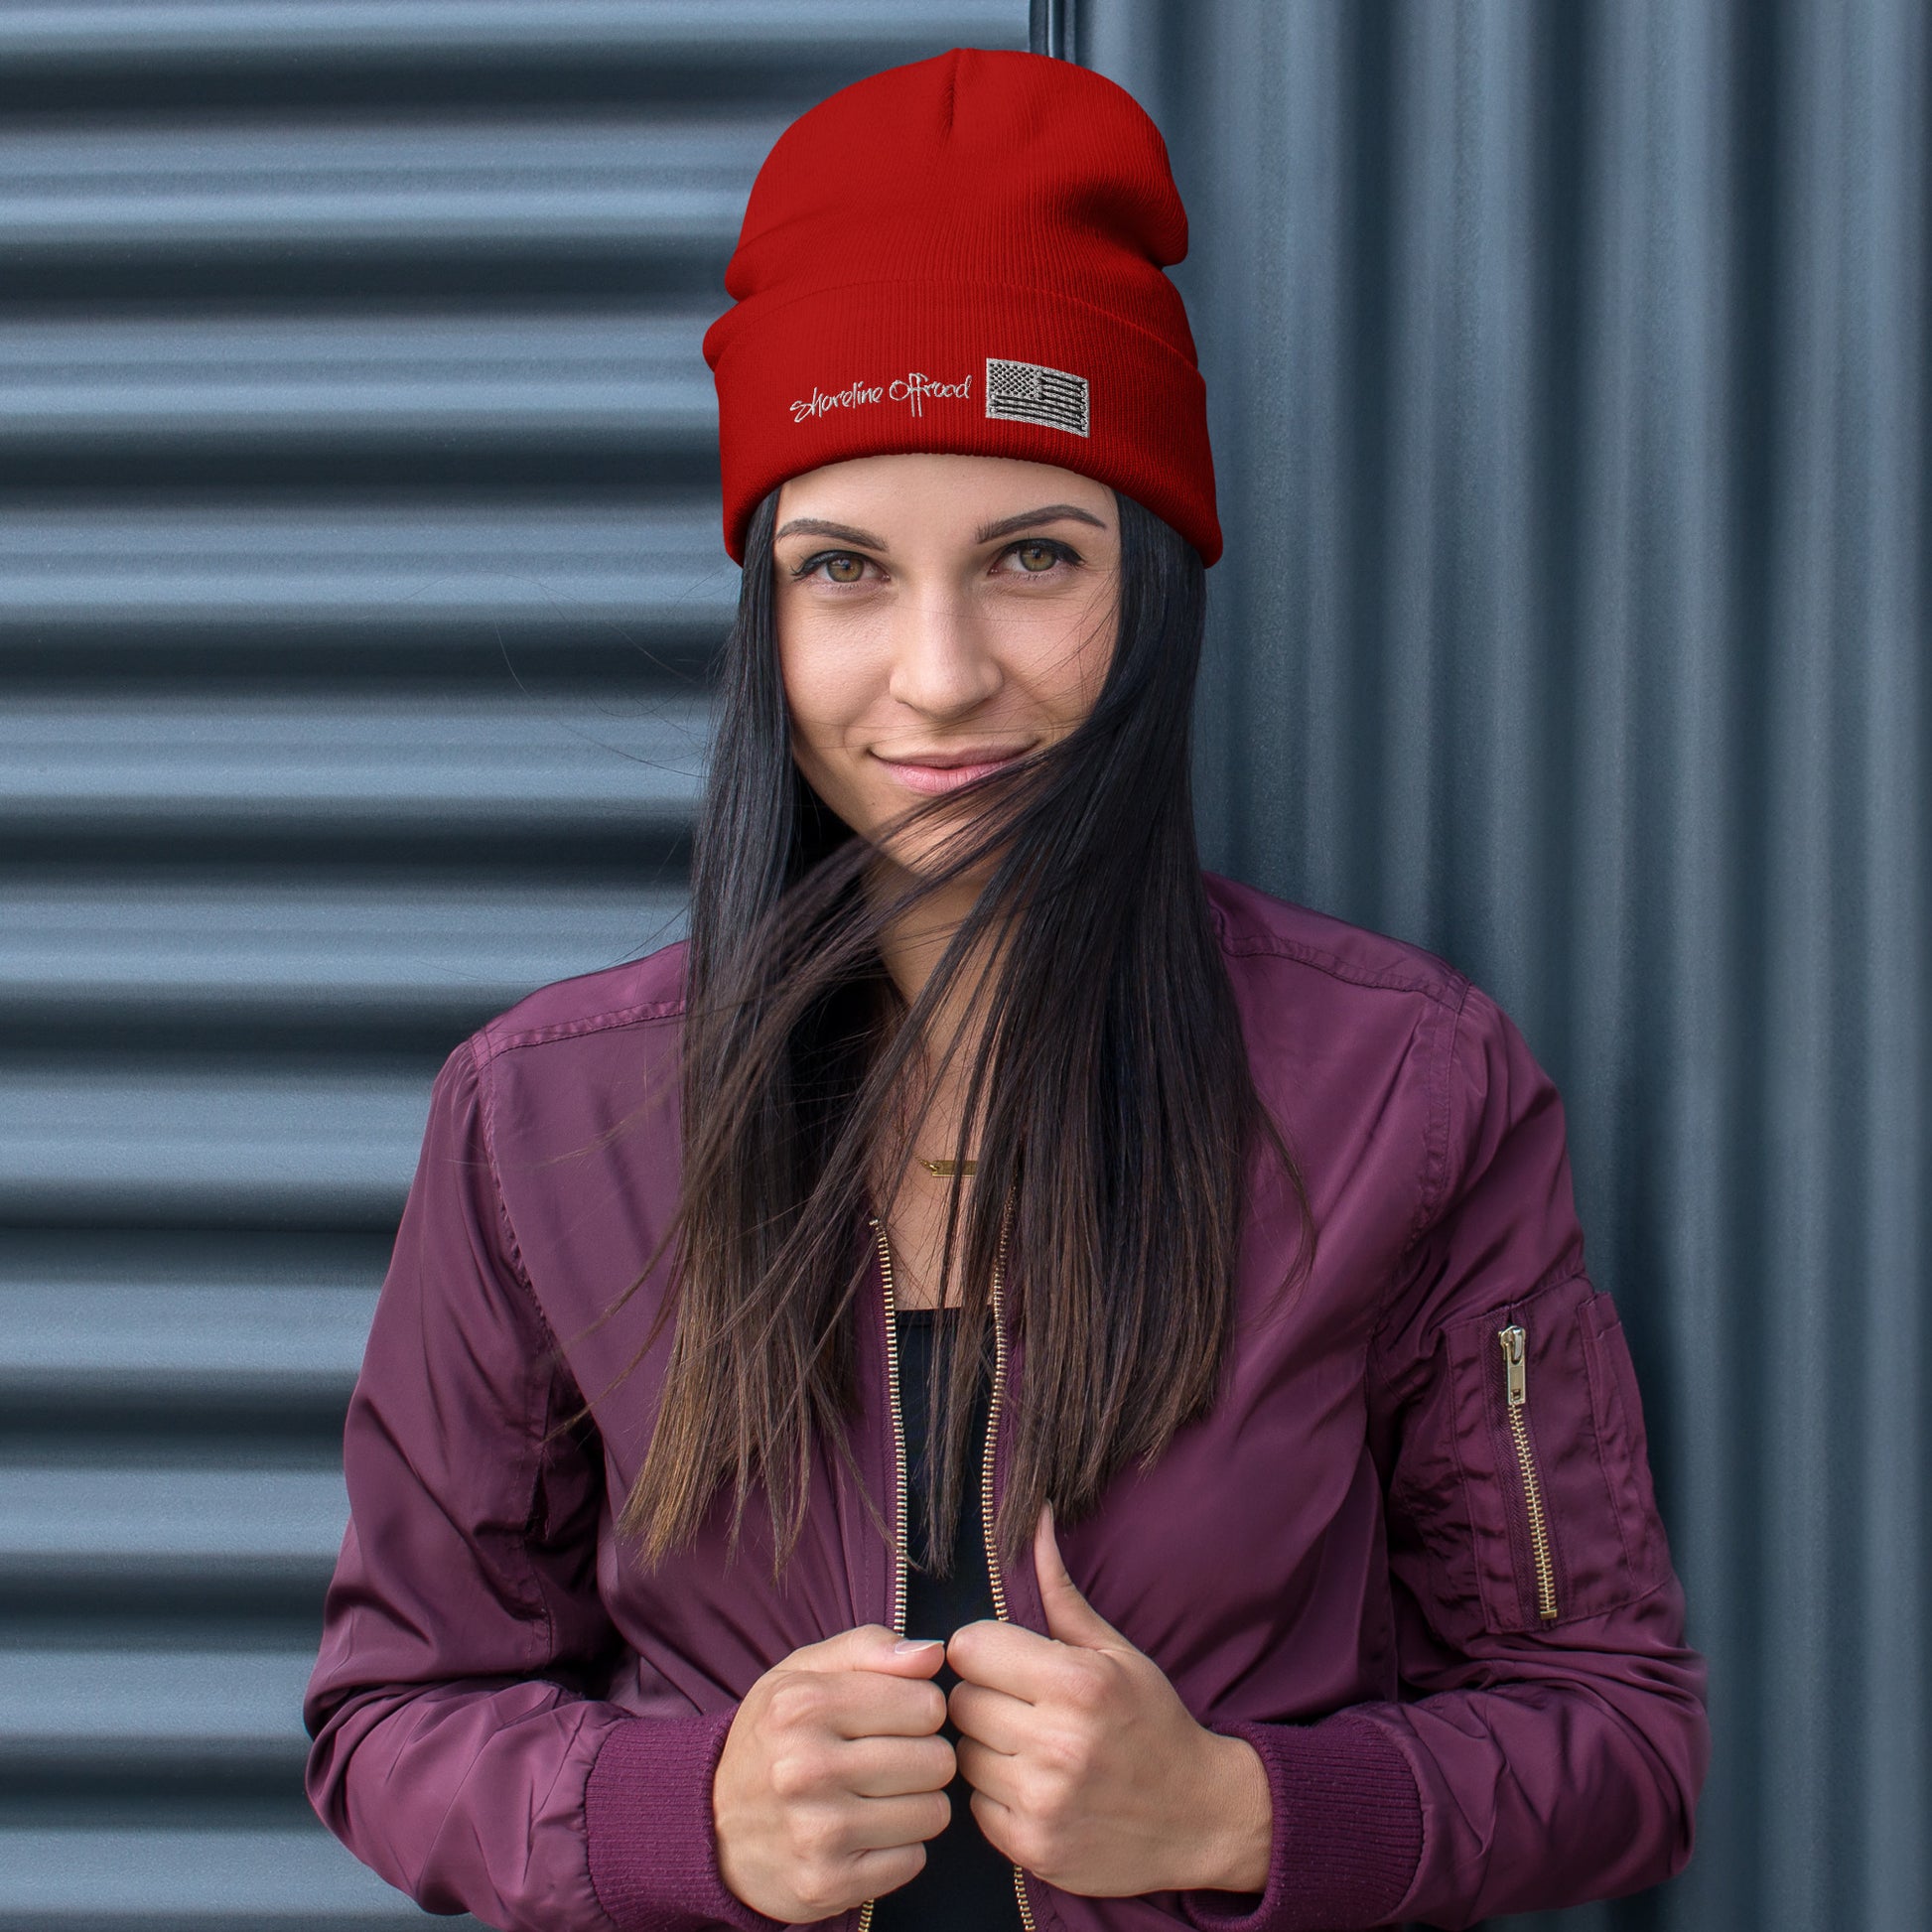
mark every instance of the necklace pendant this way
{"type": "Point", "coordinates": [945, 1170]}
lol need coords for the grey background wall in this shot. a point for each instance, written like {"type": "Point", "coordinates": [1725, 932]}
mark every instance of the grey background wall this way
{"type": "Point", "coordinates": [1571, 370]}
{"type": "Point", "coordinates": [358, 566]}
{"type": "Point", "coordinates": [356, 574]}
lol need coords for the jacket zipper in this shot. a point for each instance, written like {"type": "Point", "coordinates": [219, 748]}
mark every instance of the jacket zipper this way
{"type": "Point", "coordinates": [986, 1507]}
{"type": "Point", "coordinates": [899, 1466]}
{"type": "Point", "coordinates": [994, 1578]}
{"type": "Point", "coordinates": [1515, 1341]}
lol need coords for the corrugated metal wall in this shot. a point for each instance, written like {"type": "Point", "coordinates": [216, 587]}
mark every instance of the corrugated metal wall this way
{"type": "Point", "coordinates": [358, 561]}
{"type": "Point", "coordinates": [1569, 367]}
{"type": "Point", "coordinates": [1569, 364]}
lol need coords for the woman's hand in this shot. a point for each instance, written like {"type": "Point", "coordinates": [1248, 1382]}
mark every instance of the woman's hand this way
{"type": "Point", "coordinates": [833, 1775]}
{"type": "Point", "coordinates": [1086, 1766]}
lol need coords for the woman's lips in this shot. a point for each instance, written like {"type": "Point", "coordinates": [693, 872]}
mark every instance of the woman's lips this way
{"type": "Point", "coordinates": [933, 777]}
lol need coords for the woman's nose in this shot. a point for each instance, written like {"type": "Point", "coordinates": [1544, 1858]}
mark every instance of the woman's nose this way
{"type": "Point", "coordinates": [942, 662]}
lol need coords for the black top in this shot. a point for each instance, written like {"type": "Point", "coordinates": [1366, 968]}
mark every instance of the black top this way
{"type": "Point", "coordinates": [966, 1885]}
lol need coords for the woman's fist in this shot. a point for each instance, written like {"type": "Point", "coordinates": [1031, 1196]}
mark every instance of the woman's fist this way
{"type": "Point", "coordinates": [833, 1775]}
{"type": "Point", "coordinates": [1086, 1765]}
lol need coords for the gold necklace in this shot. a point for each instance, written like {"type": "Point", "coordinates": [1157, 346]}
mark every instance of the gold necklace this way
{"type": "Point", "coordinates": [945, 1170]}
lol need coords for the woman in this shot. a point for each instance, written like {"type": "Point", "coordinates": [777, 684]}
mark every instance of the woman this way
{"type": "Point", "coordinates": [1010, 1382]}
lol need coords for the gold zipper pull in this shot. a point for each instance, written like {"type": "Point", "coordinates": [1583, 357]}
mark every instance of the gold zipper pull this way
{"type": "Point", "coordinates": [1516, 1363]}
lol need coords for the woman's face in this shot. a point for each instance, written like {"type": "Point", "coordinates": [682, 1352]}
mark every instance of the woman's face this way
{"type": "Point", "coordinates": [937, 616]}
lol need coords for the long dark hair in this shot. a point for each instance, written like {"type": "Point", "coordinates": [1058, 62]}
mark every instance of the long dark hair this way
{"type": "Point", "coordinates": [1116, 1118]}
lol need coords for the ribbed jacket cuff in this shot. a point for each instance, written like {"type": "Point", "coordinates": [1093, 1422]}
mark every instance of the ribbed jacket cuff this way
{"type": "Point", "coordinates": [1347, 1831]}
{"type": "Point", "coordinates": [647, 1822]}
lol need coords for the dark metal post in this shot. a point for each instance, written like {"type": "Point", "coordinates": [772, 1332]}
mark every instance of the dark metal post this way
{"type": "Point", "coordinates": [1053, 28]}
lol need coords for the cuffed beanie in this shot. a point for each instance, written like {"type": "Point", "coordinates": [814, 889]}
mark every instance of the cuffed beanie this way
{"type": "Point", "coordinates": [965, 255]}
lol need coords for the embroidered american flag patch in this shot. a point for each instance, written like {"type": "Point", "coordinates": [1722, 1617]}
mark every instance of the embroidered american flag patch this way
{"type": "Point", "coordinates": [1024, 392]}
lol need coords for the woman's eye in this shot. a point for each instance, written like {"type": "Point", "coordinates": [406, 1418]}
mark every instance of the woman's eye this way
{"type": "Point", "coordinates": [1034, 558]}
{"type": "Point", "coordinates": [844, 570]}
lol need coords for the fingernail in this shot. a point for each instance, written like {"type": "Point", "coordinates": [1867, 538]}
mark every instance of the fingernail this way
{"type": "Point", "coordinates": [916, 1643]}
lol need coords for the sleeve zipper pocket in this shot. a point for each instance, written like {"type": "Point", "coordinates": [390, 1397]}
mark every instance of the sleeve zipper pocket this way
{"type": "Point", "coordinates": [1515, 1345]}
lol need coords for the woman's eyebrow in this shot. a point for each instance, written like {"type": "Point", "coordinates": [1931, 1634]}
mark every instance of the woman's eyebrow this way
{"type": "Point", "coordinates": [1027, 519]}
{"type": "Point", "coordinates": [816, 526]}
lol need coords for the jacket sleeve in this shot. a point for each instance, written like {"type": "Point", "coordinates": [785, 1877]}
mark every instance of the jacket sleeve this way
{"type": "Point", "coordinates": [460, 1748]}
{"type": "Point", "coordinates": [1549, 1741]}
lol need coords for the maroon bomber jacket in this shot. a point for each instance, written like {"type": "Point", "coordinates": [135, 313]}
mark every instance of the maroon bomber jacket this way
{"type": "Point", "coordinates": [1411, 1554]}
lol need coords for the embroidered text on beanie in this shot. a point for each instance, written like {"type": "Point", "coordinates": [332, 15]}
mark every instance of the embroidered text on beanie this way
{"type": "Point", "coordinates": [965, 255]}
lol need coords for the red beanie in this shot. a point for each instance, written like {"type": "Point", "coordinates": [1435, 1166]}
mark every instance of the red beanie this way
{"type": "Point", "coordinates": [965, 255]}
